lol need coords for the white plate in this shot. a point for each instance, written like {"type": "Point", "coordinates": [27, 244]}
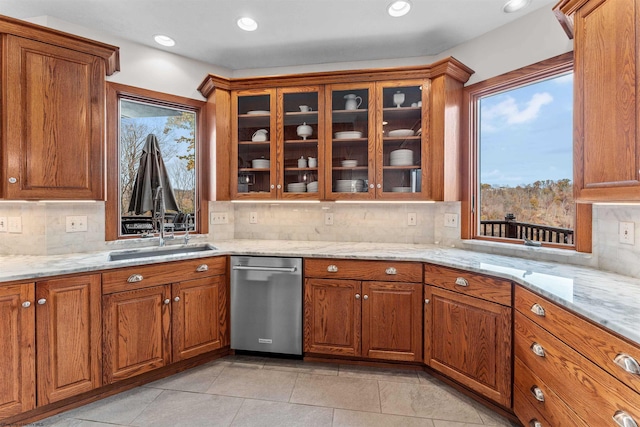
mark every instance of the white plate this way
{"type": "Point", "coordinates": [258, 112]}
{"type": "Point", "coordinates": [349, 163]}
{"type": "Point", "coordinates": [348, 134]}
{"type": "Point", "coordinates": [401, 132]}
{"type": "Point", "coordinates": [401, 162]}
{"type": "Point", "coordinates": [401, 189]}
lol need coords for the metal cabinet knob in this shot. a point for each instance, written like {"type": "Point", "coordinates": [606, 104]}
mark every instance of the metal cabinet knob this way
{"type": "Point", "coordinates": [627, 363]}
{"type": "Point", "coordinates": [371, 186]}
{"type": "Point", "coordinates": [135, 278]}
{"type": "Point", "coordinates": [332, 268]}
{"type": "Point", "coordinates": [391, 271]}
{"type": "Point", "coordinates": [461, 281]}
{"type": "Point", "coordinates": [378, 185]}
{"type": "Point", "coordinates": [26, 304]}
{"type": "Point", "coordinates": [537, 393]}
{"type": "Point", "coordinates": [538, 310]}
{"type": "Point", "coordinates": [426, 301]}
{"type": "Point", "coordinates": [365, 297]}
{"type": "Point", "coordinates": [202, 267]}
{"type": "Point", "coordinates": [537, 349]}
{"type": "Point", "coordinates": [273, 186]}
{"type": "Point", "coordinates": [278, 186]}
{"type": "Point", "coordinates": [42, 301]}
{"type": "Point", "coordinates": [357, 296]}
{"type": "Point", "coordinates": [12, 180]}
{"type": "Point", "coordinates": [535, 423]}
{"type": "Point", "coordinates": [176, 299]}
{"type": "Point", "coordinates": [624, 420]}
{"type": "Point", "coordinates": [167, 301]}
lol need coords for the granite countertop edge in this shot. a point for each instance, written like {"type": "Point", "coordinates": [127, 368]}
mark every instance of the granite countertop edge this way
{"type": "Point", "coordinates": [584, 290]}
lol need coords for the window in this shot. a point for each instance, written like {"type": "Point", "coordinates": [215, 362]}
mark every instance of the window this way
{"type": "Point", "coordinates": [520, 157]}
{"type": "Point", "coordinates": [154, 159]}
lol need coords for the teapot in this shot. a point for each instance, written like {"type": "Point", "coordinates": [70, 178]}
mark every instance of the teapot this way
{"type": "Point", "coordinates": [352, 101]}
{"type": "Point", "coordinates": [259, 135]}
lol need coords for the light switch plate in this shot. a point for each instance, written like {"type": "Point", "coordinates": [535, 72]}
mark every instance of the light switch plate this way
{"type": "Point", "coordinates": [219, 218]}
{"type": "Point", "coordinates": [328, 218]}
{"type": "Point", "coordinates": [15, 224]}
{"type": "Point", "coordinates": [626, 233]}
{"type": "Point", "coordinates": [76, 223]}
{"type": "Point", "coordinates": [412, 219]}
{"type": "Point", "coordinates": [253, 217]}
{"type": "Point", "coordinates": [451, 220]}
{"type": "Point", "coordinates": [3, 224]}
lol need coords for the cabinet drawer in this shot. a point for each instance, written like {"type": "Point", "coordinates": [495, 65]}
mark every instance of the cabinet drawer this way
{"type": "Point", "coordinates": [126, 279]}
{"type": "Point", "coordinates": [477, 285]}
{"type": "Point", "coordinates": [527, 413]}
{"type": "Point", "coordinates": [387, 271]}
{"type": "Point", "coordinates": [602, 347]}
{"type": "Point", "coordinates": [545, 401]}
{"type": "Point", "coordinates": [593, 394]}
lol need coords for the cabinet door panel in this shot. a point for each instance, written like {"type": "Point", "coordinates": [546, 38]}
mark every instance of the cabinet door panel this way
{"type": "Point", "coordinates": [332, 317]}
{"type": "Point", "coordinates": [136, 332]}
{"type": "Point", "coordinates": [469, 340]}
{"type": "Point", "coordinates": [17, 358]}
{"type": "Point", "coordinates": [391, 321]}
{"type": "Point", "coordinates": [68, 337]}
{"type": "Point", "coordinates": [54, 137]}
{"type": "Point", "coordinates": [196, 316]}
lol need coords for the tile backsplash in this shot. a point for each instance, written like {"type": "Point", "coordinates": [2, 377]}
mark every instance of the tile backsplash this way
{"type": "Point", "coordinates": [44, 228]}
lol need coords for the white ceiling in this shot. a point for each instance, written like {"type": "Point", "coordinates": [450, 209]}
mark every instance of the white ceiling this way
{"type": "Point", "coordinates": [290, 32]}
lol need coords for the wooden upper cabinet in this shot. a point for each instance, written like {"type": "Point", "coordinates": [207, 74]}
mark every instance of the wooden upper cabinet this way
{"type": "Point", "coordinates": [52, 113]}
{"type": "Point", "coordinates": [606, 131]}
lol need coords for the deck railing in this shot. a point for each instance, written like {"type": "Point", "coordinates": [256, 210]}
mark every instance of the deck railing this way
{"type": "Point", "coordinates": [512, 229]}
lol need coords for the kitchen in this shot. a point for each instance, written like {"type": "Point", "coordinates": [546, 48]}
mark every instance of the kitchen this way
{"type": "Point", "coordinates": [545, 39]}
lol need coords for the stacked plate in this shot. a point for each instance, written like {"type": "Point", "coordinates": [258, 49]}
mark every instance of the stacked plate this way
{"type": "Point", "coordinates": [348, 134]}
{"type": "Point", "coordinates": [349, 163]}
{"type": "Point", "coordinates": [312, 187]}
{"type": "Point", "coordinates": [297, 187]}
{"type": "Point", "coordinates": [349, 185]}
{"type": "Point", "coordinates": [401, 158]}
{"type": "Point", "coordinates": [401, 189]}
{"type": "Point", "coordinates": [260, 163]}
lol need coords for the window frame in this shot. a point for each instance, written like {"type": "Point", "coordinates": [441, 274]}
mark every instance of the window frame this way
{"type": "Point", "coordinates": [470, 204]}
{"type": "Point", "coordinates": [114, 93]}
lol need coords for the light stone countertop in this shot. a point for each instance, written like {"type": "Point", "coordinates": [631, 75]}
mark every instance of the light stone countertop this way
{"type": "Point", "coordinates": [609, 299]}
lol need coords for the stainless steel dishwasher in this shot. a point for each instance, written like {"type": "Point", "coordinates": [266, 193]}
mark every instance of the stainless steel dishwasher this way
{"type": "Point", "coordinates": [266, 304]}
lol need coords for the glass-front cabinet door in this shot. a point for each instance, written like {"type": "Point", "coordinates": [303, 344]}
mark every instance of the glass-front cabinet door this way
{"type": "Point", "coordinates": [300, 135]}
{"type": "Point", "coordinates": [400, 149]}
{"type": "Point", "coordinates": [254, 144]}
{"type": "Point", "coordinates": [350, 141]}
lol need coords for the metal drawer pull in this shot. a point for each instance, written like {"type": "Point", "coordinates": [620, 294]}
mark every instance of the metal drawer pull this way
{"type": "Point", "coordinates": [461, 281]}
{"type": "Point", "coordinates": [357, 296]}
{"type": "Point", "coordinates": [12, 180]}
{"type": "Point", "coordinates": [535, 423]}
{"type": "Point", "coordinates": [537, 349]}
{"type": "Point", "coordinates": [627, 363]}
{"type": "Point", "coordinates": [537, 393]}
{"type": "Point", "coordinates": [202, 267]}
{"type": "Point", "coordinates": [42, 301]}
{"type": "Point", "coordinates": [176, 299]}
{"type": "Point", "coordinates": [365, 297]}
{"type": "Point", "coordinates": [332, 268]}
{"type": "Point", "coordinates": [26, 304]}
{"type": "Point", "coordinates": [257, 268]}
{"type": "Point", "coordinates": [135, 278]}
{"type": "Point", "coordinates": [537, 309]}
{"type": "Point", "coordinates": [624, 420]}
{"type": "Point", "coordinates": [167, 301]}
{"type": "Point", "coordinates": [426, 301]}
{"type": "Point", "coordinates": [391, 270]}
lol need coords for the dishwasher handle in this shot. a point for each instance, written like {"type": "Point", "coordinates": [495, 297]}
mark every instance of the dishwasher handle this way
{"type": "Point", "coordinates": [258, 268]}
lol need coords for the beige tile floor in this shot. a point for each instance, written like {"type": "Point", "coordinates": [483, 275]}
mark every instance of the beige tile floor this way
{"type": "Point", "coordinates": [258, 391]}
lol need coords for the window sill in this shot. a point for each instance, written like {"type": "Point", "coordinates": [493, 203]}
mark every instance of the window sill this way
{"type": "Point", "coordinates": [562, 256]}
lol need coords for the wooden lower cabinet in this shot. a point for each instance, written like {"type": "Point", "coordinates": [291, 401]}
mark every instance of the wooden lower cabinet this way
{"type": "Point", "coordinates": [469, 340]}
{"type": "Point", "coordinates": [377, 320]}
{"type": "Point", "coordinates": [68, 337]}
{"type": "Point", "coordinates": [17, 341]}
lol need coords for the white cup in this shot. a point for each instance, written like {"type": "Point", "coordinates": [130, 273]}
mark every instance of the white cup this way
{"type": "Point", "coordinates": [302, 162]}
{"type": "Point", "coordinates": [313, 162]}
{"type": "Point", "coordinates": [304, 108]}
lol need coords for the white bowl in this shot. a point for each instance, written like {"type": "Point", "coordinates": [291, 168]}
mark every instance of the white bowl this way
{"type": "Point", "coordinates": [401, 133]}
{"type": "Point", "coordinates": [348, 134]}
{"type": "Point", "coordinates": [349, 163]}
{"type": "Point", "coordinates": [260, 163]}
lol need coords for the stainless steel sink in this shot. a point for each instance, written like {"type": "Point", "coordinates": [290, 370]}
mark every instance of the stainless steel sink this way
{"type": "Point", "coordinates": [157, 252]}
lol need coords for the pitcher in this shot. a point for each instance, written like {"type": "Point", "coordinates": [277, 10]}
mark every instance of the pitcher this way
{"type": "Point", "coordinates": [353, 101]}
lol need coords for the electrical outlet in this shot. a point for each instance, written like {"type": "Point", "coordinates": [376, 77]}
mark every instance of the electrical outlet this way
{"type": "Point", "coordinates": [328, 218]}
{"type": "Point", "coordinates": [253, 217]}
{"type": "Point", "coordinates": [451, 220]}
{"type": "Point", "coordinates": [3, 224]}
{"type": "Point", "coordinates": [15, 224]}
{"type": "Point", "coordinates": [412, 218]}
{"type": "Point", "coordinates": [626, 232]}
{"type": "Point", "coordinates": [76, 223]}
{"type": "Point", "coordinates": [219, 218]}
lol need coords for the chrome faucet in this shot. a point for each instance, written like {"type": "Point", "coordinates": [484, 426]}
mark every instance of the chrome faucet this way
{"type": "Point", "coordinates": [187, 220]}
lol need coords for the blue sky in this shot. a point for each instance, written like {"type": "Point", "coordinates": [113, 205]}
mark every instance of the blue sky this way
{"type": "Point", "coordinates": [526, 134]}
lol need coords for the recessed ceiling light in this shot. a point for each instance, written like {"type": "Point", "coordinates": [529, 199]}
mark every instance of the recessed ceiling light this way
{"type": "Point", "coordinates": [247, 24]}
{"type": "Point", "coordinates": [515, 5]}
{"type": "Point", "coordinates": [164, 40]}
{"type": "Point", "coordinates": [399, 8]}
